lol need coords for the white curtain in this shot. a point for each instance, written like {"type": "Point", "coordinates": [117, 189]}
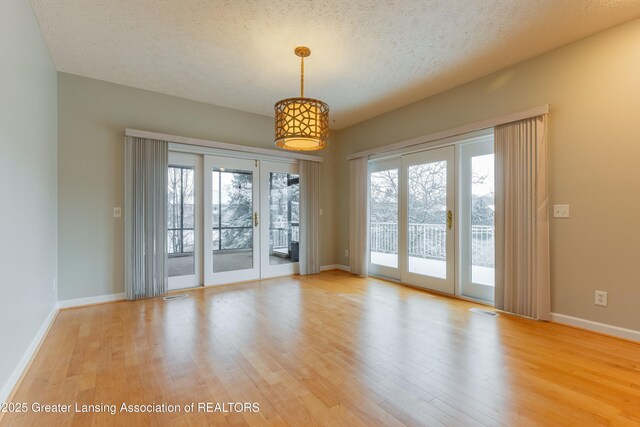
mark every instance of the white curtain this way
{"type": "Point", "coordinates": [309, 217]}
{"type": "Point", "coordinates": [145, 213]}
{"type": "Point", "coordinates": [358, 215]}
{"type": "Point", "coordinates": [522, 218]}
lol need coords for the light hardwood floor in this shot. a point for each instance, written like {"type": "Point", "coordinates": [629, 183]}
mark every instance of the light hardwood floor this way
{"type": "Point", "coordinates": [331, 349]}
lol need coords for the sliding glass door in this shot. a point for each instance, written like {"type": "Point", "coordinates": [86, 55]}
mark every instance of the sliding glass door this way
{"type": "Point", "coordinates": [428, 235]}
{"type": "Point", "coordinates": [231, 220]}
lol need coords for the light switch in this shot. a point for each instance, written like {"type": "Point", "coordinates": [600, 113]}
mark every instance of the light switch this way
{"type": "Point", "coordinates": [561, 211]}
{"type": "Point", "coordinates": [117, 212]}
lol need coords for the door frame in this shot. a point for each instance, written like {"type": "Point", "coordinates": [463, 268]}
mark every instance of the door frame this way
{"type": "Point", "coordinates": [253, 273]}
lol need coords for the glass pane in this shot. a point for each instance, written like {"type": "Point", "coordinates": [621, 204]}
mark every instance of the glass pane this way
{"type": "Point", "coordinates": [383, 200]}
{"type": "Point", "coordinates": [180, 221]}
{"type": "Point", "coordinates": [284, 213]}
{"type": "Point", "coordinates": [482, 225]}
{"type": "Point", "coordinates": [175, 189]}
{"type": "Point", "coordinates": [232, 219]}
{"type": "Point", "coordinates": [174, 241]}
{"type": "Point", "coordinates": [427, 209]}
{"type": "Point", "coordinates": [236, 199]}
{"type": "Point", "coordinates": [215, 199]}
{"type": "Point", "coordinates": [188, 243]}
{"type": "Point", "coordinates": [237, 238]}
{"type": "Point", "coordinates": [188, 199]}
{"type": "Point", "coordinates": [216, 239]}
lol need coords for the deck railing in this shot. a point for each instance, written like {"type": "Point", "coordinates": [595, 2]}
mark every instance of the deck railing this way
{"type": "Point", "coordinates": [429, 241]}
{"type": "Point", "coordinates": [280, 234]}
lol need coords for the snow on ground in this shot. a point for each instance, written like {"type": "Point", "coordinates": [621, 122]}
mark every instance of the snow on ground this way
{"type": "Point", "coordinates": [435, 268]}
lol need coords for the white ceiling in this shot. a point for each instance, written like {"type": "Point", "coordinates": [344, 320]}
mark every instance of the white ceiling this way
{"type": "Point", "coordinates": [368, 56]}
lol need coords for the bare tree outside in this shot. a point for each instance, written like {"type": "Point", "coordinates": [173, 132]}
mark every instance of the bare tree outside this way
{"type": "Point", "coordinates": [482, 219]}
{"type": "Point", "coordinates": [428, 193]}
{"type": "Point", "coordinates": [383, 213]}
{"type": "Point", "coordinates": [180, 214]}
{"type": "Point", "coordinates": [384, 196]}
{"type": "Point", "coordinates": [181, 220]}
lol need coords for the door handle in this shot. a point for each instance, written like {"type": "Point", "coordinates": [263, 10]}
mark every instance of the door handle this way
{"type": "Point", "coordinates": [449, 219]}
{"type": "Point", "coordinates": [255, 219]}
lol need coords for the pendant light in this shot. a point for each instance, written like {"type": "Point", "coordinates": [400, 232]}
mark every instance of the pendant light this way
{"type": "Point", "coordinates": [302, 124]}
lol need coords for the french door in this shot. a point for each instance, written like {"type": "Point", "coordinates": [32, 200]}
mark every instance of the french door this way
{"type": "Point", "coordinates": [431, 218]}
{"type": "Point", "coordinates": [231, 220]}
{"type": "Point", "coordinates": [280, 213]}
{"type": "Point", "coordinates": [426, 219]}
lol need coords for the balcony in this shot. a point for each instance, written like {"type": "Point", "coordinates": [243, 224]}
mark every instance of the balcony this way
{"type": "Point", "coordinates": [280, 237]}
{"type": "Point", "coordinates": [426, 244]}
{"type": "Point", "coordinates": [232, 248]}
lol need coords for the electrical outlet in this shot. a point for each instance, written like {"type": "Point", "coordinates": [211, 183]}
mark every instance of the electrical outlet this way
{"type": "Point", "coordinates": [117, 212]}
{"type": "Point", "coordinates": [346, 253]}
{"type": "Point", "coordinates": [601, 298]}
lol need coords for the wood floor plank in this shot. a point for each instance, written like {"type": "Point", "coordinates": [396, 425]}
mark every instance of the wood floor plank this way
{"type": "Point", "coordinates": [332, 350]}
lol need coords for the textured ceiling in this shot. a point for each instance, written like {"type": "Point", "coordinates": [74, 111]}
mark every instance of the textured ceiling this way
{"type": "Point", "coordinates": [368, 56]}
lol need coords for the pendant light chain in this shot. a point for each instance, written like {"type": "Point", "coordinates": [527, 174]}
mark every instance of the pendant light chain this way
{"type": "Point", "coordinates": [302, 77]}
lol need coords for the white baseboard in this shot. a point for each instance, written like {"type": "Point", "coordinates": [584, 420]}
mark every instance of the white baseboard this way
{"type": "Point", "coordinates": [335, 267]}
{"type": "Point", "coordinates": [602, 328]}
{"type": "Point", "coordinates": [22, 366]}
{"type": "Point", "coordinates": [90, 300]}
{"type": "Point", "coordinates": [28, 355]}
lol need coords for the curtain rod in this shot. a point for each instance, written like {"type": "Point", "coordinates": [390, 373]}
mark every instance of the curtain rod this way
{"type": "Point", "coordinates": [483, 124]}
{"type": "Point", "coordinates": [220, 145]}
